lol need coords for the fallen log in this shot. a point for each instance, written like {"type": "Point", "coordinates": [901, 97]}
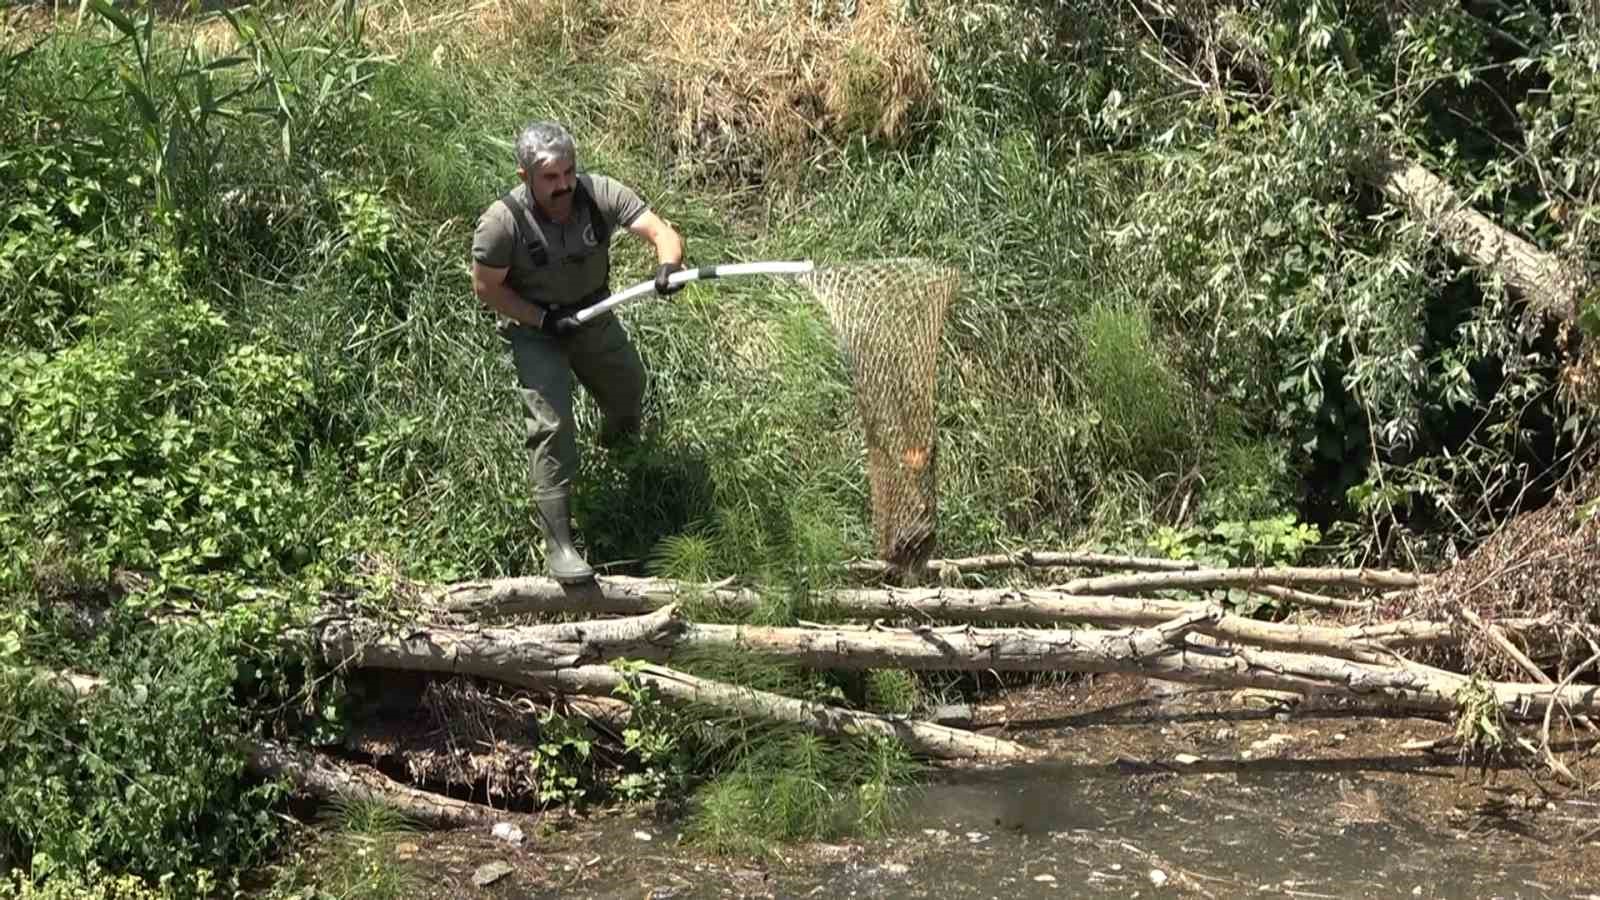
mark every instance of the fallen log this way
{"type": "Point", "coordinates": [1536, 275]}
{"type": "Point", "coordinates": [1037, 606]}
{"type": "Point", "coordinates": [521, 656]}
{"type": "Point", "coordinates": [322, 778]}
{"type": "Point", "coordinates": [319, 776]}
{"type": "Point", "coordinates": [515, 655]}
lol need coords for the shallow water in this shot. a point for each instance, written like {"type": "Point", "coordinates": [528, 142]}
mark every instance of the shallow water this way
{"type": "Point", "coordinates": [1151, 795]}
{"type": "Point", "coordinates": [1053, 831]}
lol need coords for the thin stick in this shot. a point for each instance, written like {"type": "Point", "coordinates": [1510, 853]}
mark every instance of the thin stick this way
{"type": "Point", "coordinates": [1499, 639]}
{"type": "Point", "coordinates": [994, 562]}
{"type": "Point", "coordinates": [1241, 577]}
{"type": "Point", "coordinates": [1308, 599]}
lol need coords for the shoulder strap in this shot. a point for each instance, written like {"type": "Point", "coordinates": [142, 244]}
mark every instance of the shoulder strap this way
{"type": "Point", "coordinates": [602, 228]}
{"type": "Point", "coordinates": [528, 231]}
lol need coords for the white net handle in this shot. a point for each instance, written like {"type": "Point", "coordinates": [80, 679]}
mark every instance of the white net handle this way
{"type": "Point", "coordinates": [793, 267]}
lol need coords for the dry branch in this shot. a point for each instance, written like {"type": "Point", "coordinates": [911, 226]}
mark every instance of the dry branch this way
{"type": "Point", "coordinates": [1309, 600]}
{"type": "Point", "coordinates": [516, 654]}
{"type": "Point", "coordinates": [996, 562]}
{"type": "Point", "coordinates": [923, 738]}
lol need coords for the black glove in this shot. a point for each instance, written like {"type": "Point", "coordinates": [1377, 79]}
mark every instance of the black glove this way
{"type": "Point", "coordinates": [662, 271]}
{"type": "Point", "coordinates": [559, 324]}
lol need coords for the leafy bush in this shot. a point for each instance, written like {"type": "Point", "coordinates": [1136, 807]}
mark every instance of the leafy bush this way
{"type": "Point", "coordinates": [145, 777]}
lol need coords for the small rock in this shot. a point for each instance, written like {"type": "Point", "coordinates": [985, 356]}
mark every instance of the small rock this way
{"type": "Point", "coordinates": [1186, 759]}
{"type": "Point", "coordinates": [1116, 867]}
{"type": "Point", "coordinates": [895, 868]}
{"type": "Point", "coordinates": [489, 873]}
{"type": "Point", "coordinates": [508, 832]}
{"type": "Point", "coordinates": [1045, 878]}
{"type": "Point", "coordinates": [1157, 877]}
{"type": "Point", "coordinates": [952, 714]}
{"type": "Point", "coordinates": [977, 837]}
{"type": "Point", "coordinates": [1416, 891]}
{"type": "Point", "coordinates": [643, 836]}
{"type": "Point", "coordinates": [1338, 738]}
{"type": "Point", "coordinates": [406, 850]}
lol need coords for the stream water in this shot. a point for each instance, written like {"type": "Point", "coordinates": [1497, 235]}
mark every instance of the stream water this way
{"type": "Point", "coordinates": [1142, 802]}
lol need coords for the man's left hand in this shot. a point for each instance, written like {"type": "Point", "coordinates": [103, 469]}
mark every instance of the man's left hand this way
{"type": "Point", "coordinates": [662, 271]}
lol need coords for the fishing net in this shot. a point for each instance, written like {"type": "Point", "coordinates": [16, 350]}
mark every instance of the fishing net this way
{"type": "Point", "coordinates": [889, 318]}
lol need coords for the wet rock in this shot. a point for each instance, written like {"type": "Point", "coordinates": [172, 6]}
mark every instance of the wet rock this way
{"type": "Point", "coordinates": [490, 872]}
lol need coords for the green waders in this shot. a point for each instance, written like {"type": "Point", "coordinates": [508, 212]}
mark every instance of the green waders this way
{"type": "Point", "coordinates": [605, 361]}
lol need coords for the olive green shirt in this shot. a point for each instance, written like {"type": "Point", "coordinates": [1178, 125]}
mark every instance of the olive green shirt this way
{"type": "Point", "coordinates": [577, 263]}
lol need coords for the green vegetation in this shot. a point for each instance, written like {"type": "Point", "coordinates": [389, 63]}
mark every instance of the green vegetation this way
{"type": "Point", "coordinates": [240, 364]}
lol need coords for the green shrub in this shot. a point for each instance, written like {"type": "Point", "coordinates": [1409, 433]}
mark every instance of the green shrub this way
{"type": "Point", "coordinates": [146, 776]}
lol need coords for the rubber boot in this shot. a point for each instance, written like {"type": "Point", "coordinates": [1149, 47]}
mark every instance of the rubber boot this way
{"type": "Point", "coordinates": [566, 564]}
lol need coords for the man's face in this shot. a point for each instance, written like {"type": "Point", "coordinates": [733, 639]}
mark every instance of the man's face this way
{"type": "Point", "coordinates": [551, 185]}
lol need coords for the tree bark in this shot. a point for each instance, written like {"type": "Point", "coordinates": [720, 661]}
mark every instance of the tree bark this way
{"type": "Point", "coordinates": [1539, 277]}
{"type": "Point", "coordinates": [517, 656]}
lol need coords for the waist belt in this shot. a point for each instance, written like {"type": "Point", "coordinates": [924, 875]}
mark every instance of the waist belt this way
{"type": "Point", "coordinates": [584, 302]}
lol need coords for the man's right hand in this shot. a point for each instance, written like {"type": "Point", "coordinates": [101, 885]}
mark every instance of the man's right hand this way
{"type": "Point", "coordinates": [559, 325]}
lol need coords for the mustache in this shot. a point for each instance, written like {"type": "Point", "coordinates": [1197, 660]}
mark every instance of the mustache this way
{"type": "Point", "coordinates": [561, 193]}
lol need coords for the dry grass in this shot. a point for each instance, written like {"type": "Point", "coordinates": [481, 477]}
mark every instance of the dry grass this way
{"type": "Point", "coordinates": [733, 90]}
{"type": "Point", "coordinates": [1542, 563]}
{"type": "Point", "coordinates": [762, 92]}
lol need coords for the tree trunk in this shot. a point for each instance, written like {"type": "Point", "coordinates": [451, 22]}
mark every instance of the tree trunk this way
{"type": "Point", "coordinates": [517, 656]}
{"type": "Point", "coordinates": [1538, 276]}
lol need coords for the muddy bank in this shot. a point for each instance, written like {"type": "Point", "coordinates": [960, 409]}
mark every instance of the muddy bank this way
{"type": "Point", "coordinates": [1151, 789]}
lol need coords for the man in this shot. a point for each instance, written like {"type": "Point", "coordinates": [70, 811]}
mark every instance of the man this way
{"type": "Point", "coordinates": [539, 255]}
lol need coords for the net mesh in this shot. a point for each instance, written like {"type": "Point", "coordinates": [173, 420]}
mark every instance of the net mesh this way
{"type": "Point", "coordinates": [889, 317]}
